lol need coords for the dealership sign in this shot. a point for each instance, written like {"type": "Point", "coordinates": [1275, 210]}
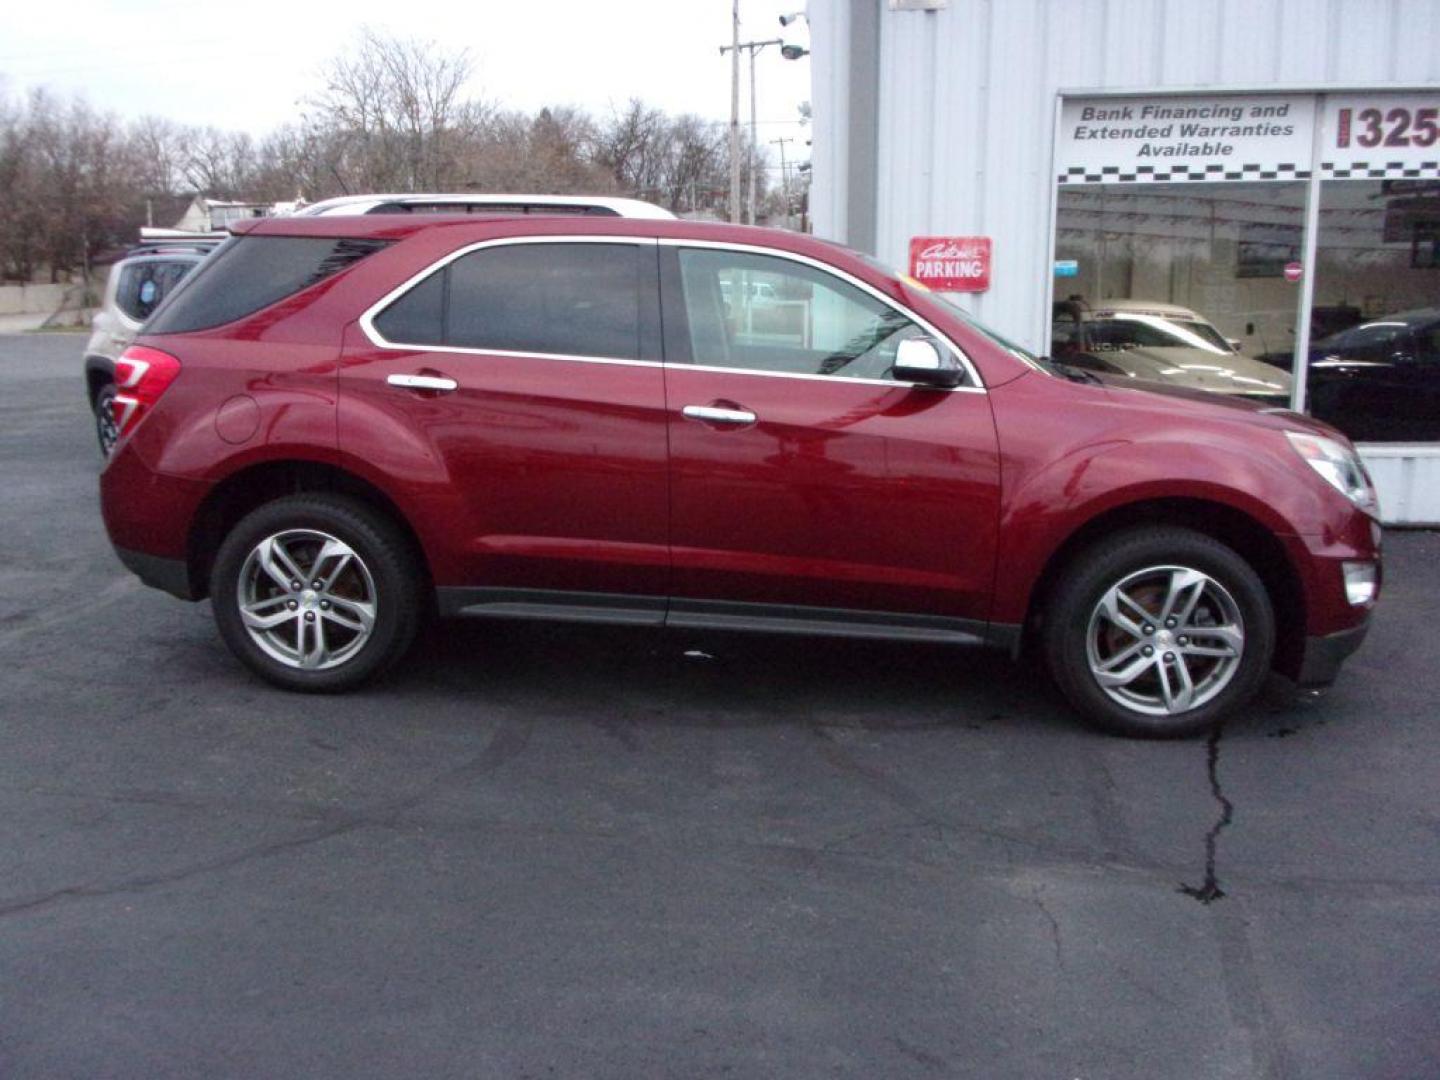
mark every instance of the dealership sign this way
{"type": "Point", "coordinates": [1381, 136]}
{"type": "Point", "coordinates": [1118, 140]}
{"type": "Point", "coordinates": [951, 263]}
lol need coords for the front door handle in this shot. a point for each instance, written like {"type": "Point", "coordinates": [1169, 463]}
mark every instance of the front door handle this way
{"type": "Point", "coordinates": [712, 414]}
{"type": "Point", "coordinates": [423, 382]}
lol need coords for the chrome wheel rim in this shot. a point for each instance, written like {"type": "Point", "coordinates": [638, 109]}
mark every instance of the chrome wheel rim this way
{"type": "Point", "coordinates": [1165, 640]}
{"type": "Point", "coordinates": [306, 599]}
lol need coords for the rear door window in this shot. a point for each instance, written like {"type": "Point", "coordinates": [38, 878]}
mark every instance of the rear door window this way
{"type": "Point", "coordinates": [557, 299]}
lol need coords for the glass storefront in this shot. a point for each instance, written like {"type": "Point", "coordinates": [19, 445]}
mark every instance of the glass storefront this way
{"type": "Point", "coordinates": [1179, 282]}
{"type": "Point", "coordinates": [1181, 252]}
{"type": "Point", "coordinates": [1375, 323]}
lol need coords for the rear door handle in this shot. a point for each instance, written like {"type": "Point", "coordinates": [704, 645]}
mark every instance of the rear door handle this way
{"type": "Point", "coordinates": [423, 382]}
{"type": "Point", "coordinates": [711, 414]}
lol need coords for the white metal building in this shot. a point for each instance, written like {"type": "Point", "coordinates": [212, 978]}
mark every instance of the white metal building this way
{"type": "Point", "coordinates": [973, 119]}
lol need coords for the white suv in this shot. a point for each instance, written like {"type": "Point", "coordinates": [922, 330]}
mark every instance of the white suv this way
{"type": "Point", "coordinates": [133, 289]}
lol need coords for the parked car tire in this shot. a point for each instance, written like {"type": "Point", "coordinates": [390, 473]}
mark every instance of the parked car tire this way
{"type": "Point", "coordinates": [316, 592]}
{"type": "Point", "coordinates": [106, 430]}
{"type": "Point", "coordinates": [1158, 632]}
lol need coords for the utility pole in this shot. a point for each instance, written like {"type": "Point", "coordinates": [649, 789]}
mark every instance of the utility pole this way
{"type": "Point", "coordinates": [734, 50]}
{"type": "Point", "coordinates": [734, 111]}
{"type": "Point", "coordinates": [784, 173]}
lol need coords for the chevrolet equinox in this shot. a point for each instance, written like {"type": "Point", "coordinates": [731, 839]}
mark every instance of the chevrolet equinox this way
{"type": "Point", "coordinates": [339, 424]}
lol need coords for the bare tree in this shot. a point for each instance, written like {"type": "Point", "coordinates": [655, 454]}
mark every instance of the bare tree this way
{"type": "Point", "coordinates": [158, 146]}
{"type": "Point", "coordinates": [634, 146]}
{"type": "Point", "coordinates": [394, 111]}
{"type": "Point", "coordinates": [394, 115]}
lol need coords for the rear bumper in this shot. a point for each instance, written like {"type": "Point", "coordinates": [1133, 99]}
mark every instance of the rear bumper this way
{"type": "Point", "coordinates": [169, 575]}
{"type": "Point", "coordinates": [1326, 652]}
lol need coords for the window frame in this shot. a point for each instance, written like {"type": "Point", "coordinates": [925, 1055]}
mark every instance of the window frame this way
{"type": "Point", "coordinates": [677, 320]}
{"type": "Point", "coordinates": [649, 333]}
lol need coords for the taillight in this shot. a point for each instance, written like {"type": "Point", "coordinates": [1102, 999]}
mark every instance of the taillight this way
{"type": "Point", "coordinates": [142, 374]}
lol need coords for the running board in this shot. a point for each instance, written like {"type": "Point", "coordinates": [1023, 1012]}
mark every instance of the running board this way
{"type": "Point", "coordinates": [618, 609]}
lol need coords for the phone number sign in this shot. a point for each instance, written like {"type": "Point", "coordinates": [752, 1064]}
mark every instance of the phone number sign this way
{"type": "Point", "coordinates": [951, 263]}
{"type": "Point", "coordinates": [1390, 136]}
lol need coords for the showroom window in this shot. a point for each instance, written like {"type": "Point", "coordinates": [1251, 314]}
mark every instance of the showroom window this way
{"type": "Point", "coordinates": [1182, 253]}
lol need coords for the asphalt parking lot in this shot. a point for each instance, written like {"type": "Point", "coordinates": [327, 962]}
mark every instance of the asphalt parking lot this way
{"type": "Point", "coordinates": [569, 852]}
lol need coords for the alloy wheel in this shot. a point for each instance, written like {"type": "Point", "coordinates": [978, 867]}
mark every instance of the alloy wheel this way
{"type": "Point", "coordinates": [306, 599]}
{"type": "Point", "coordinates": [1165, 640]}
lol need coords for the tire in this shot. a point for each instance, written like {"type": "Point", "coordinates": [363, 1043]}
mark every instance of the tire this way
{"type": "Point", "coordinates": [355, 625]}
{"type": "Point", "coordinates": [1126, 670]}
{"type": "Point", "coordinates": [106, 430]}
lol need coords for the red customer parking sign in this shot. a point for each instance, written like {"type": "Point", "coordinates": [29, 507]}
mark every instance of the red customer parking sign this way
{"type": "Point", "coordinates": [951, 263]}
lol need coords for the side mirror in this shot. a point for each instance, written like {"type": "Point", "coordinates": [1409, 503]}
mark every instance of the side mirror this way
{"type": "Point", "coordinates": [1235, 344]}
{"type": "Point", "coordinates": [920, 360]}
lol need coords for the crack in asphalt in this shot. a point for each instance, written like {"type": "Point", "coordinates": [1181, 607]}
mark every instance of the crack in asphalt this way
{"type": "Point", "coordinates": [1209, 891]}
{"type": "Point", "coordinates": [1039, 902]}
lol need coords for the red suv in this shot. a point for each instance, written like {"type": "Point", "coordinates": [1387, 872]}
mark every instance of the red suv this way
{"type": "Point", "coordinates": [337, 424]}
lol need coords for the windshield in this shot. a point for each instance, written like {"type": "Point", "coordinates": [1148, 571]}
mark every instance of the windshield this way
{"type": "Point", "coordinates": [1366, 336]}
{"type": "Point", "coordinates": [952, 308]}
{"type": "Point", "coordinates": [984, 331]}
{"type": "Point", "coordinates": [1148, 330]}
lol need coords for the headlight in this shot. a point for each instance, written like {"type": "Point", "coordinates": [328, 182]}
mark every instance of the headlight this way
{"type": "Point", "coordinates": [1339, 465]}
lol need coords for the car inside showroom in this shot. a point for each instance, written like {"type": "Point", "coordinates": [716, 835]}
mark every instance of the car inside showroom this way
{"type": "Point", "coordinates": [1252, 210]}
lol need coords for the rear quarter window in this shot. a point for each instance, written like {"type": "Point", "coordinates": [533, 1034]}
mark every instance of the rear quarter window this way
{"type": "Point", "coordinates": [143, 285]}
{"type": "Point", "coordinates": [252, 272]}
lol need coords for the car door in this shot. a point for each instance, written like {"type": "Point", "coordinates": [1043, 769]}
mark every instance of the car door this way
{"type": "Point", "coordinates": [807, 485]}
{"type": "Point", "coordinates": [515, 391]}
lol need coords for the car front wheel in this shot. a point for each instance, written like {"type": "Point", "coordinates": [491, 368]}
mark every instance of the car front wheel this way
{"type": "Point", "coordinates": [1161, 632]}
{"type": "Point", "coordinates": [316, 592]}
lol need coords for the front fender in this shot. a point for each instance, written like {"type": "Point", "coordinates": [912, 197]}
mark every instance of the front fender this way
{"type": "Point", "coordinates": [1108, 458]}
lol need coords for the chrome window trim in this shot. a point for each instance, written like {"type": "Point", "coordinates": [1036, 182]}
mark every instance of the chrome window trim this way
{"type": "Point", "coordinates": [977, 386]}
{"type": "Point", "coordinates": [367, 318]}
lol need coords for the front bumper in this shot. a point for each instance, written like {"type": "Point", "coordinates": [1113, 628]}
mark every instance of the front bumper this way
{"type": "Point", "coordinates": [1324, 653]}
{"type": "Point", "coordinates": [170, 575]}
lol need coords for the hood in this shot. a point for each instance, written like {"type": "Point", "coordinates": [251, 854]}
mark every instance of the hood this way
{"type": "Point", "coordinates": [1170, 396]}
{"type": "Point", "coordinates": [1230, 373]}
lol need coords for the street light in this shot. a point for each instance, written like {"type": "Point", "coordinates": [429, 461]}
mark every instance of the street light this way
{"type": "Point", "coordinates": [793, 52]}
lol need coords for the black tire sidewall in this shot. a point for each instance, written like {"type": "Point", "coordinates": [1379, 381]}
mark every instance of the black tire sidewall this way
{"type": "Point", "coordinates": [1102, 565]}
{"type": "Point", "coordinates": [103, 405]}
{"type": "Point", "coordinates": [377, 544]}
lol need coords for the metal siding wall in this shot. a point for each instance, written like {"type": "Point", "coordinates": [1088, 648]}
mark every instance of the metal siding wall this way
{"type": "Point", "coordinates": [1304, 45]}
{"type": "Point", "coordinates": [967, 97]}
{"type": "Point", "coordinates": [830, 100]}
{"type": "Point", "coordinates": [1363, 40]}
{"type": "Point", "coordinates": [1420, 21]}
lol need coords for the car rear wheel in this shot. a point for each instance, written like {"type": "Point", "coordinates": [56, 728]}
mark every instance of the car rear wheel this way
{"type": "Point", "coordinates": [1160, 632]}
{"type": "Point", "coordinates": [316, 592]}
{"type": "Point", "coordinates": [106, 430]}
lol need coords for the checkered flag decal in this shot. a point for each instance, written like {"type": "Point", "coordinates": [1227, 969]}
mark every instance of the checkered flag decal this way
{"type": "Point", "coordinates": [1389, 170]}
{"type": "Point", "coordinates": [1182, 173]}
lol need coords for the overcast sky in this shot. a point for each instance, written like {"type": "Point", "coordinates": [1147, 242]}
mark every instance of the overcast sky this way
{"type": "Point", "coordinates": [248, 65]}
